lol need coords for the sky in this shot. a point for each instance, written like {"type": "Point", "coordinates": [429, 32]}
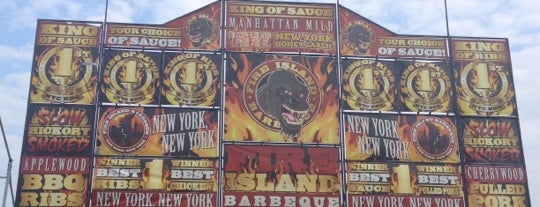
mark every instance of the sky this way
{"type": "Point", "coordinates": [516, 20]}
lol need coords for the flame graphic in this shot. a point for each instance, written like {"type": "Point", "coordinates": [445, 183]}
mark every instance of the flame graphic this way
{"type": "Point", "coordinates": [241, 127]}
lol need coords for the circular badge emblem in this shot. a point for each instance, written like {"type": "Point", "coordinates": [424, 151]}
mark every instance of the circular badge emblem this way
{"type": "Point", "coordinates": [485, 86]}
{"type": "Point", "coordinates": [426, 87]}
{"type": "Point", "coordinates": [368, 85]}
{"type": "Point", "coordinates": [200, 30]}
{"type": "Point", "coordinates": [131, 77]}
{"type": "Point", "coordinates": [434, 138]}
{"type": "Point", "coordinates": [358, 36]}
{"type": "Point", "coordinates": [282, 95]}
{"type": "Point", "coordinates": [125, 130]}
{"type": "Point", "coordinates": [191, 79]}
{"type": "Point", "coordinates": [65, 74]}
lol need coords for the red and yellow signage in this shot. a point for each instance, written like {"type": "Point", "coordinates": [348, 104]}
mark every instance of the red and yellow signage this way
{"type": "Point", "coordinates": [492, 140]}
{"type": "Point", "coordinates": [65, 63]}
{"type": "Point", "coordinates": [370, 137]}
{"type": "Point", "coordinates": [143, 36]}
{"type": "Point", "coordinates": [59, 130]}
{"type": "Point", "coordinates": [282, 176]}
{"type": "Point", "coordinates": [496, 186]}
{"type": "Point", "coordinates": [157, 131]}
{"type": "Point", "coordinates": [385, 184]}
{"type": "Point", "coordinates": [53, 181]}
{"type": "Point", "coordinates": [192, 79]}
{"type": "Point", "coordinates": [426, 86]}
{"type": "Point", "coordinates": [368, 85]}
{"type": "Point", "coordinates": [284, 27]}
{"type": "Point", "coordinates": [200, 28]}
{"type": "Point", "coordinates": [361, 37]}
{"type": "Point", "coordinates": [483, 78]}
{"type": "Point", "coordinates": [154, 182]}
{"type": "Point", "coordinates": [281, 99]}
{"type": "Point", "coordinates": [130, 77]}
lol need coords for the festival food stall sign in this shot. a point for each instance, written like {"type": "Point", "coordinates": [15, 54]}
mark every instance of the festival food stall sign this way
{"type": "Point", "coordinates": [280, 27]}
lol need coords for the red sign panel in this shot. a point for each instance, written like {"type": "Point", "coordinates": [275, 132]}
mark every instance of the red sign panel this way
{"type": "Point", "coordinates": [279, 175]}
{"type": "Point", "coordinates": [492, 140]}
{"type": "Point", "coordinates": [60, 130]}
{"type": "Point", "coordinates": [53, 181]}
{"type": "Point", "coordinates": [283, 27]}
{"type": "Point", "coordinates": [496, 186]}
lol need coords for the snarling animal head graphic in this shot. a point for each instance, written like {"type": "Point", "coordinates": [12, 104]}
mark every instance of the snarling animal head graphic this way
{"type": "Point", "coordinates": [359, 37]}
{"type": "Point", "coordinates": [200, 31]}
{"type": "Point", "coordinates": [285, 98]}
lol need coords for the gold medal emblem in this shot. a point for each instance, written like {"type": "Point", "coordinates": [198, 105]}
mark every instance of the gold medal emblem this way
{"type": "Point", "coordinates": [368, 85]}
{"type": "Point", "coordinates": [131, 77]}
{"type": "Point", "coordinates": [426, 87]}
{"type": "Point", "coordinates": [485, 89]}
{"type": "Point", "coordinates": [191, 79]}
{"type": "Point", "coordinates": [66, 75]}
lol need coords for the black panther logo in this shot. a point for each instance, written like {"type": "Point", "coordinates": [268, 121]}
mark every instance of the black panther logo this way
{"type": "Point", "coordinates": [200, 31]}
{"type": "Point", "coordinates": [359, 38]}
{"type": "Point", "coordinates": [285, 98]}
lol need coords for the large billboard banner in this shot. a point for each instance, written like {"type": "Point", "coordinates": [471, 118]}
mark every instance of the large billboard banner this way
{"type": "Point", "coordinates": [157, 131]}
{"type": "Point", "coordinates": [283, 27]}
{"type": "Point", "coordinates": [281, 98]}
{"type": "Point", "coordinates": [483, 77]}
{"type": "Point", "coordinates": [59, 130]}
{"type": "Point", "coordinates": [368, 85]}
{"type": "Point", "coordinates": [65, 62]}
{"type": "Point", "coordinates": [268, 103]}
{"type": "Point", "coordinates": [53, 181]}
{"type": "Point", "coordinates": [191, 79]}
{"type": "Point", "coordinates": [377, 137]}
{"type": "Point", "coordinates": [154, 182]}
{"type": "Point", "coordinates": [258, 175]}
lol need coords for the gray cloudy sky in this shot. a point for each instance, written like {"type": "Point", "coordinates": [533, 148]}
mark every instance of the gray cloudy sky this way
{"type": "Point", "coordinates": [517, 20]}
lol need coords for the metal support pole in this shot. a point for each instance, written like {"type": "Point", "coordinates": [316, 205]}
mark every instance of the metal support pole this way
{"type": "Point", "coordinates": [8, 174]}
